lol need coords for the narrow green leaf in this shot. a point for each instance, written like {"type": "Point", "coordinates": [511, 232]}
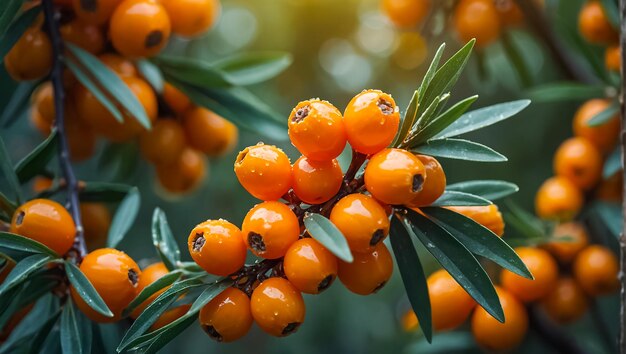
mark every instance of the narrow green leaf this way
{"type": "Point", "coordinates": [427, 115]}
{"type": "Point", "coordinates": [18, 104]}
{"type": "Point", "coordinates": [192, 71]}
{"type": "Point", "coordinates": [524, 222]}
{"type": "Point", "coordinates": [512, 51]}
{"type": "Point", "coordinates": [324, 231]}
{"type": "Point", "coordinates": [104, 192]}
{"type": "Point", "coordinates": [612, 164]}
{"type": "Point", "coordinates": [611, 216]}
{"type": "Point", "coordinates": [6, 167]}
{"type": "Point", "coordinates": [488, 189]}
{"type": "Point", "coordinates": [149, 290]}
{"type": "Point", "coordinates": [7, 205]}
{"type": "Point", "coordinates": [442, 121]}
{"type": "Point", "coordinates": [75, 334]}
{"type": "Point", "coordinates": [124, 217]}
{"type": "Point", "coordinates": [9, 241]}
{"type": "Point", "coordinates": [22, 335]}
{"type": "Point", "coordinates": [447, 342]}
{"type": "Point", "coordinates": [566, 91]}
{"type": "Point", "coordinates": [168, 334]}
{"type": "Point", "coordinates": [36, 162]}
{"type": "Point", "coordinates": [85, 289]}
{"type": "Point", "coordinates": [610, 112]}
{"type": "Point", "coordinates": [407, 120]}
{"type": "Point", "coordinates": [22, 270]}
{"type": "Point", "coordinates": [253, 68]}
{"type": "Point", "coordinates": [454, 198]}
{"type": "Point", "coordinates": [209, 294]}
{"type": "Point", "coordinates": [151, 73]}
{"type": "Point", "coordinates": [612, 13]}
{"type": "Point", "coordinates": [459, 149]}
{"type": "Point", "coordinates": [8, 10]}
{"type": "Point", "coordinates": [37, 343]}
{"type": "Point", "coordinates": [432, 70]}
{"type": "Point", "coordinates": [17, 28]}
{"type": "Point", "coordinates": [164, 241]}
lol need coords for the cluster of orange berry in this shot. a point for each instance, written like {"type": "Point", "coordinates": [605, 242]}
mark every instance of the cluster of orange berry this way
{"type": "Point", "coordinates": [595, 28]}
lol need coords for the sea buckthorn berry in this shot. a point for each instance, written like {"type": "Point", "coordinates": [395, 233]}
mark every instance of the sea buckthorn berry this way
{"type": "Point", "coordinates": [543, 268]}
{"type": "Point", "coordinates": [95, 11]}
{"type": "Point", "coordinates": [371, 121]}
{"type": "Point", "coordinates": [309, 266]}
{"type": "Point", "coordinates": [170, 316]}
{"type": "Point", "coordinates": [277, 307]}
{"type": "Point", "coordinates": [31, 57]}
{"type": "Point", "coordinates": [228, 316]}
{"type": "Point", "coordinates": [406, 13]}
{"type": "Point", "coordinates": [192, 17]}
{"type": "Point", "coordinates": [596, 269]}
{"type": "Point", "coordinates": [510, 14]}
{"type": "Point", "coordinates": [139, 28]}
{"type": "Point", "coordinates": [594, 26]}
{"type": "Point", "coordinates": [495, 336]}
{"type": "Point", "coordinates": [316, 129]}
{"type": "Point", "coordinates": [488, 216]}
{"type": "Point", "coordinates": [315, 182]}
{"type": "Point", "coordinates": [604, 136]}
{"type": "Point", "coordinates": [217, 246]}
{"type": "Point", "coordinates": [96, 219]}
{"type": "Point", "coordinates": [434, 183]}
{"type": "Point", "coordinates": [87, 36]}
{"type": "Point", "coordinates": [579, 161]}
{"type": "Point", "coordinates": [361, 220]}
{"type": "Point", "coordinates": [45, 221]}
{"type": "Point", "coordinates": [115, 276]}
{"type": "Point", "coordinates": [566, 250]}
{"type": "Point", "coordinates": [269, 229]}
{"type": "Point", "coordinates": [149, 275]}
{"type": "Point", "coordinates": [394, 176]}
{"type": "Point", "coordinates": [184, 174]}
{"type": "Point", "coordinates": [559, 199]}
{"type": "Point", "coordinates": [450, 304]}
{"type": "Point", "coordinates": [566, 302]}
{"type": "Point", "coordinates": [264, 171]}
{"type": "Point", "coordinates": [39, 123]}
{"type": "Point", "coordinates": [41, 183]}
{"type": "Point", "coordinates": [164, 143]}
{"type": "Point", "coordinates": [120, 65]}
{"type": "Point", "coordinates": [611, 189]}
{"type": "Point", "coordinates": [477, 19]}
{"type": "Point", "coordinates": [209, 133]}
{"type": "Point", "coordinates": [369, 272]}
{"type": "Point", "coordinates": [613, 58]}
{"type": "Point", "coordinates": [409, 321]}
{"type": "Point", "coordinates": [175, 99]}
{"type": "Point", "coordinates": [43, 102]}
{"type": "Point", "coordinates": [80, 137]}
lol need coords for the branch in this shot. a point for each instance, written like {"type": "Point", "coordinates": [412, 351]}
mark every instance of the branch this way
{"type": "Point", "coordinates": [79, 249]}
{"type": "Point", "coordinates": [622, 239]}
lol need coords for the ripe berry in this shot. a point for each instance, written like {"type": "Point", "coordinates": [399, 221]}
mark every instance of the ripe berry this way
{"type": "Point", "coordinates": [175, 99]}
{"type": "Point", "coordinates": [184, 174]}
{"type": "Point", "coordinates": [604, 136]}
{"type": "Point", "coordinates": [269, 229]}
{"type": "Point", "coordinates": [488, 216]}
{"type": "Point", "coordinates": [85, 35]}
{"type": "Point", "coordinates": [43, 102]}
{"type": "Point", "coordinates": [611, 189]}
{"type": "Point", "coordinates": [96, 219]}
{"type": "Point", "coordinates": [115, 276]}
{"type": "Point", "coordinates": [228, 316]}
{"type": "Point", "coordinates": [371, 121]}
{"type": "Point", "coordinates": [139, 28]}
{"type": "Point", "coordinates": [264, 171]}
{"type": "Point", "coordinates": [164, 143]}
{"type": "Point", "coordinates": [543, 268]}
{"type": "Point", "coordinates": [409, 321]}
{"type": "Point", "coordinates": [316, 129]}
{"type": "Point", "coordinates": [559, 199]}
{"type": "Point", "coordinates": [217, 246]}
{"type": "Point", "coordinates": [277, 307]}
{"type": "Point", "coordinates": [406, 13]}
{"type": "Point", "coordinates": [434, 182]}
{"type": "Point", "coordinates": [613, 58]}
{"type": "Point", "coordinates": [594, 26]}
{"type": "Point", "coordinates": [477, 19]}
{"type": "Point", "coordinates": [369, 272]}
{"type": "Point", "coordinates": [97, 12]}
{"type": "Point", "coordinates": [566, 302]}
{"type": "Point", "coordinates": [394, 176]}
{"type": "Point", "coordinates": [509, 12]}
{"type": "Point", "coordinates": [80, 136]}
{"type": "Point", "coordinates": [31, 57]}
{"type": "Point", "coordinates": [579, 161]}
{"type": "Point", "coordinates": [120, 65]}
{"type": "Point", "coordinates": [47, 222]}
{"type": "Point", "coordinates": [596, 270]}
{"type": "Point", "coordinates": [309, 266]}
{"type": "Point", "coordinates": [315, 182]}
{"type": "Point", "coordinates": [192, 17]}
{"type": "Point", "coordinates": [149, 275]}
{"type": "Point", "coordinates": [209, 133]}
{"type": "Point", "coordinates": [450, 304]}
{"type": "Point", "coordinates": [361, 220]}
{"type": "Point", "coordinates": [566, 250]}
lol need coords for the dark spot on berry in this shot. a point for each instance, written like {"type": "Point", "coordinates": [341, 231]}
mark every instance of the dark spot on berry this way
{"type": "Point", "coordinates": [20, 218]}
{"type": "Point", "coordinates": [578, 171]}
{"type": "Point", "coordinates": [380, 286]}
{"type": "Point", "coordinates": [418, 183]}
{"type": "Point", "coordinates": [325, 283]}
{"type": "Point", "coordinates": [241, 156]}
{"type": "Point", "coordinates": [198, 241]}
{"type": "Point", "coordinates": [153, 39]}
{"type": "Point", "coordinates": [133, 276]}
{"type": "Point", "coordinates": [89, 5]}
{"type": "Point", "coordinates": [301, 114]}
{"type": "Point", "coordinates": [290, 328]}
{"type": "Point", "coordinates": [385, 107]}
{"type": "Point", "coordinates": [377, 236]}
{"type": "Point", "coordinates": [212, 332]}
{"type": "Point", "coordinates": [256, 242]}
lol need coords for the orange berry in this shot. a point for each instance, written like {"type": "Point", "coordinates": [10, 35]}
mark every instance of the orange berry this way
{"type": "Point", "coordinates": [149, 275]}
{"type": "Point", "coordinates": [209, 133]}
{"type": "Point", "coordinates": [87, 36]}
{"type": "Point", "coordinates": [96, 219]}
{"type": "Point", "coordinates": [450, 304]}
{"type": "Point", "coordinates": [495, 336]}
{"type": "Point", "coordinates": [477, 19]}
{"type": "Point", "coordinates": [192, 17]}
{"type": "Point", "coordinates": [394, 176]}
{"type": "Point", "coordinates": [409, 321]}
{"type": "Point", "coordinates": [406, 13]}
{"type": "Point", "coordinates": [596, 270]}
{"type": "Point", "coordinates": [543, 268]}
{"type": "Point", "coordinates": [558, 198]}
{"type": "Point", "coordinates": [604, 136]}
{"type": "Point", "coordinates": [315, 182]}
{"type": "Point", "coordinates": [170, 316]}
{"type": "Point", "coordinates": [39, 123]}
{"type": "Point", "coordinates": [184, 174]}
{"type": "Point", "coordinates": [277, 307]}
{"type": "Point", "coordinates": [115, 276]}
{"type": "Point", "coordinates": [566, 302]}
{"type": "Point", "coordinates": [97, 12]}
{"type": "Point", "coordinates": [309, 266]}
{"type": "Point", "coordinates": [80, 137]}
{"type": "Point", "coordinates": [371, 121]}
{"type": "Point", "coordinates": [175, 99]}
{"type": "Point", "coordinates": [47, 222]}
{"type": "Point", "coordinates": [31, 57]}
{"type": "Point", "coordinates": [611, 189]}
{"type": "Point", "coordinates": [217, 246]}
{"type": "Point", "coordinates": [316, 130]}
{"type": "Point", "coordinates": [164, 143]}
{"type": "Point", "coordinates": [434, 183]}
{"type": "Point", "coordinates": [41, 183]}
{"type": "Point", "coordinates": [488, 216]}
{"type": "Point", "coordinates": [120, 65]}
{"type": "Point", "coordinates": [361, 220]}
{"type": "Point", "coordinates": [579, 161]}
{"type": "Point", "coordinates": [264, 171]}
{"type": "Point", "coordinates": [43, 102]}
{"type": "Point", "coordinates": [566, 250]}
{"type": "Point", "coordinates": [269, 229]}
{"type": "Point", "coordinates": [369, 272]}
{"type": "Point", "coordinates": [594, 26]}
{"type": "Point", "coordinates": [228, 316]}
{"type": "Point", "coordinates": [139, 28]}
{"type": "Point", "coordinates": [509, 12]}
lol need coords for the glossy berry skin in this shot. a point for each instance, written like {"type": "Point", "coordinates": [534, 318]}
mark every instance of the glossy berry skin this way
{"type": "Point", "coordinates": [183, 175]}
{"type": "Point", "coordinates": [394, 176]}
{"type": "Point", "coordinates": [96, 12]}
{"type": "Point", "coordinates": [47, 222]}
{"type": "Point", "coordinates": [613, 58]}
{"type": "Point", "coordinates": [139, 28]}
{"type": "Point", "coordinates": [31, 57]}
{"type": "Point", "coordinates": [227, 317]}
{"type": "Point", "coordinates": [115, 276]}
{"type": "Point", "coordinates": [361, 220]}
{"type": "Point", "coordinates": [566, 302]}
{"type": "Point", "coordinates": [477, 19]}
{"type": "Point", "coordinates": [164, 143]}
{"type": "Point", "coordinates": [406, 13]}
{"type": "Point", "coordinates": [316, 129]}
{"type": "Point", "coordinates": [120, 65]}
{"type": "Point", "coordinates": [450, 304]}
{"type": "Point", "coordinates": [541, 265]}
{"type": "Point", "coordinates": [87, 36]}
{"type": "Point", "coordinates": [277, 307]}
{"type": "Point", "coordinates": [217, 246]}
{"type": "Point", "coordinates": [558, 199]}
{"type": "Point", "coordinates": [175, 99]}
{"type": "Point", "coordinates": [492, 335]}
{"type": "Point", "coordinates": [43, 102]}
{"type": "Point", "coordinates": [309, 266]}
{"type": "Point", "coordinates": [409, 321]}
{"type": "Point", "coordinates": [149, 275]}
{"type": "Point", "coordinates": [96, 219]}
{"type": "Point", "coordinates": [594, 26]}
{"type": "Point", "coordinates": [577, 240]}
{"type": "Point", "coordinates": [604, 136]}
{"type": "Point", "coordinates": [580, 161]}
{"type": "Point", "coordinates": [209, 133]}
{"type": "Point", "coordinates": [434, 183]}
{"type": "Point", "coordinates": [191, 18]}
{"type": "Point", "coordinates": [488, 216]}
{"type": "Point", "coordinates": [264, 171]}
{"type": "Point", "coordinates": [315, 182]}
{"type": "Point", "coordinates": [596, 270]}
{"type": "Point", "coordinates": [371, 120]}
{"type": "Point", "coordinates": [369, 272]}
{"type": "Point", "coordinates": [269, 229]}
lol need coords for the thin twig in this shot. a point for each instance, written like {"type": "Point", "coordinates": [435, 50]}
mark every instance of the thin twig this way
{"type": "Point", "coordinates": [622, 239]}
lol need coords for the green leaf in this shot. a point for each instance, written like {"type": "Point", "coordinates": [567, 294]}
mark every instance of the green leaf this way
{"type": "Point", "coordinates": [483, 117]}
{"type": "Point", "coordinates": [412, 275]}
{"type": "Point", "coordinates": [512, 51]}
{"type": "Point", "coordinates": [612, 164]}
{"type": "Point", "coordinates": [151, 73]}
{"type": "Point", "coordinates": [76, 332]}
{"type": "Point", "coordinates": [478, 239]}
{"type": "Point", "coordinates": [442, 121]}
{"type": "Point", "coordinates": [209, 294]}
{"type": "Point", "coordinates": [119, 160]}
{"type": "Point", "coordinates": [455, 198]}
{"type": "Point", "coordinates": [611, 216]}
{"type": "Point", "coordinates": [447, 342]}
{"type": "Point", "coordinates": [253, 68]}
{"type": "Point", "coordinates": [459, 149]}
{"type": "Point", "coordinates": [22, 270]}
{"type": "Point", "coordinates": [611, 12]}
{"type": "Point", "coordinates": [430, 73]}
{"type": "Point", "coordinates": [192, 71]}
{"type": "Point", "coordinates": [168, 333]}
{"type": "Point", "coordinates": [112, 83]}
{"type": "Point", "coordinates": [601, 118]}
{"type": "Point", "coordinates": [17, 29]}
{"type": "Point", "coordinates": [85, 289]}
{"type": "Point", "coordinates": [36, 162]}
{"type": "Point", "coordinates": [407, 120]}
{"type": "Point", "coordinates": [104, 192]}
{"type": "Point", "coordinates": [488, 189]}
{"type": "Point", "coordinates": [7, 205]}
{"type": "Point", "coordinates": [458, 261]}
{"type": "Point", "coordinates": [18, 104]}
{"type": "Point", "coordinates": [164, 241]}
{"type": "Point", "coordinates": [8, 10]}
{"type": "Point", "coordinates": [124, 217]}
{"type": "Point", "coordinates": [566, 91]}
{"type": "Point", "coordinates": [324, 231]}
{"type": "Point", "coordinates": [161, 283]}
{"type": "Point", "coordinates": [427, 115]}
{"type": "Point", "coordinates": [37, 343]}
{"type": "Point", "coordinates": [6, 167]}
{"type": "Point", "coordinates": [9, 241]}
{"type": "Point", "coordinates": [21, 339]}
{"type": "Point", "coordinates": [524, 222]}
